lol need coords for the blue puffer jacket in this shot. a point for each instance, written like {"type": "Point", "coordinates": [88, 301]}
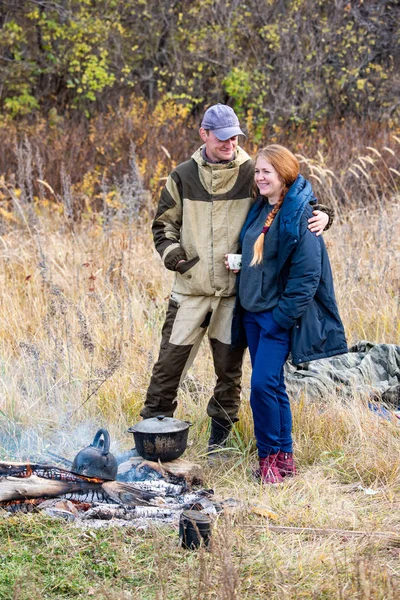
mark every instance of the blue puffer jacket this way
{"type": "Point", "coordinates": [307, 301]}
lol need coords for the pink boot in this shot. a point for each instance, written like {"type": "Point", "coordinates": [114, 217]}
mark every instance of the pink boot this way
{"type": "Point", "coordinates": [285, 464]}
{"type": "Point", "coordinates": [269, 472]}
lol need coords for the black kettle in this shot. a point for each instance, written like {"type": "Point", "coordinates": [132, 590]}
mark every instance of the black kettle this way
{"type": "Point", "coordinates": [96, 460]}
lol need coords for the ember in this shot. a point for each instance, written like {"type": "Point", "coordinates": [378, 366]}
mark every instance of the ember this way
{"type": "Point", "coordinates": [43, 471]}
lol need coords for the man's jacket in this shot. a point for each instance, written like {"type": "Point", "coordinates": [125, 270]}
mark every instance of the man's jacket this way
{"type": "Point", "coordinates": [307, 303]}
{"type": "Point", "coordinates": [200, 215]}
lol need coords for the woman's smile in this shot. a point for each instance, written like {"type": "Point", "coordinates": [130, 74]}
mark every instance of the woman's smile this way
{"type": "Point", "coordinates": [267, 180]}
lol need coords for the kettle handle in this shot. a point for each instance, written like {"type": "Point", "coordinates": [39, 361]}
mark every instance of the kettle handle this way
{"type": "Point", "coordinates": [106, 448]}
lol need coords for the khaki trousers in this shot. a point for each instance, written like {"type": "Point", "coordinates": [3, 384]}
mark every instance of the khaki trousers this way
{"type": "Point", "coordinates": [187, 320]}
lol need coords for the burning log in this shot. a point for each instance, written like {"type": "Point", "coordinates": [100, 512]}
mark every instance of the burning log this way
{"type": "Point", "coordinates": [23, 470]}
{"type": "Point", "coordinates": [19, 481]}
{"type": "Point", "coordinates": [21, 506]}
{"type": "Point", "coordinates": [22, 488]}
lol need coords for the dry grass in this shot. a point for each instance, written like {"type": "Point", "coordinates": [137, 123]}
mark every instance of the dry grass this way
{"type": "Point", "coordinates": [80, 320]}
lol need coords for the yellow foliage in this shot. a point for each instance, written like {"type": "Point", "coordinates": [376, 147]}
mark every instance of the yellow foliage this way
{"type": "Point", "coordinates": [263, 511]}
{"type": "Point", "coordinates": [361, 84]}
{"type": "Point", "coordinates": [8, 216]}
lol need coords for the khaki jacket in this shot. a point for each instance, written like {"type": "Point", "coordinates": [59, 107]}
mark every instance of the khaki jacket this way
{"type": "Point", "coordinates": [200, 215]}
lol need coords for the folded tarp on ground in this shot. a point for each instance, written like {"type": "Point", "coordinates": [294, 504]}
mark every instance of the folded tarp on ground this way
{"type": "Point", "coordinates": [369, 369]}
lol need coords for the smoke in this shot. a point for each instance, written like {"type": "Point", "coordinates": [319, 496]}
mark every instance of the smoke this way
{"type": "Point", "coordinates": [38, 443]}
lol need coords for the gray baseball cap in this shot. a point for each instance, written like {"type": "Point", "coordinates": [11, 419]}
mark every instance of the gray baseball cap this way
{"type": "Point", "coordinates": [222, 121]}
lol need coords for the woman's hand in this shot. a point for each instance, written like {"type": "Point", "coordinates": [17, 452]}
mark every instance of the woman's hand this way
{"type": "Point", "coordinates": [227, 265]}
{"type": "Point", "coordinates": [318, 223]}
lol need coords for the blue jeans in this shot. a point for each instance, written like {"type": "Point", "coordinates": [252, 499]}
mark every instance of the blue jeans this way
{"type": "Point", "coordinates": [269, 346]}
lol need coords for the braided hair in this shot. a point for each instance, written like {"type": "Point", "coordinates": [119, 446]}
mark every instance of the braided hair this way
{"type": "Point", "coordinates": [287, 167]}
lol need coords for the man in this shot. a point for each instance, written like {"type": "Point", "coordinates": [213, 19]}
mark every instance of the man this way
{"type": "Point", "coordinates": [200, 215]}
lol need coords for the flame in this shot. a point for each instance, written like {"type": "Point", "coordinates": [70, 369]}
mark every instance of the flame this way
{"type": "Point", "coordinates": [94, 480]}
{"type": "Point", "coordinates": [32, 501]}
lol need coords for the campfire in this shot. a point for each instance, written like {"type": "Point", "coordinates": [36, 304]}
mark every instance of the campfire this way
{"type": "Point", "coordinates": [95, 488]}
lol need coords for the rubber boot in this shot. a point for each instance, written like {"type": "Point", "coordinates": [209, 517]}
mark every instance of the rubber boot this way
{"type": "Point", "coordinates": [269, 472]}
{"type": "Point", "coordinates": [285, 464]}
{"type": "Point", "coordinates": [220, 430]}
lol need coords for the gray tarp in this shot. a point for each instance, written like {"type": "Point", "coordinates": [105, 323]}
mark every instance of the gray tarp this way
{"type": "Point", "coordinates": [369, 369]}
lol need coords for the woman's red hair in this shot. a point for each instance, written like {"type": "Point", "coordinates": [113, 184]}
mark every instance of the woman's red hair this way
{"type": "Point", "coordinates": [287, 166]}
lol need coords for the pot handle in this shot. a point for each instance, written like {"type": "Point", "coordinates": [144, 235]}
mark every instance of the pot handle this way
{"type": "Point", "coordinates": [162, 417]}
{"type": "Point", "coordinates": [96, 442]}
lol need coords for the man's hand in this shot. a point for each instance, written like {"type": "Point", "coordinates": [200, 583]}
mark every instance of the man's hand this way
{"type": "Point", "coordinates": [318, 223]}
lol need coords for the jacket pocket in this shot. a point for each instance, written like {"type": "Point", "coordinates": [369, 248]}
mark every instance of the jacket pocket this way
{"type": "Point", "coordinates": [183, 267]}
{"type": "Point", "coordinates": [309, 334]}
{"type": "Point", "coordinates": [276, 329]}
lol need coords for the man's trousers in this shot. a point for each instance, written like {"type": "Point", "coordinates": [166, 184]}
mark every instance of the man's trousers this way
{"type": "Point", "coordinates": [187, 320]}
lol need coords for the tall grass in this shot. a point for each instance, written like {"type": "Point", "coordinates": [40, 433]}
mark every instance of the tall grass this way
{"type": "Point", "coordinates": [81, 312]}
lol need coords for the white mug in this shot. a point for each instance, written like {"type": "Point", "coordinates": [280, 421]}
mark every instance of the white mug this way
{"type": "Point", "coordinates": [234, 261]}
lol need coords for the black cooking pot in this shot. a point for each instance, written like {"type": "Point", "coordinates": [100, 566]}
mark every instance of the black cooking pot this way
{"type": "Point", "coordinates": [96, 460]}
{"type": "Point", "coordinates": [161, 438]}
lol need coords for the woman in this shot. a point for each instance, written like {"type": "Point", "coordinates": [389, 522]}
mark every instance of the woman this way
{"type": "Point", "coordinates": [287, 301]}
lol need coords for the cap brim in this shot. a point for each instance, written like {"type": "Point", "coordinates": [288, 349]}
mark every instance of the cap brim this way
{"type": "Point", "coordinates": [227, 132]}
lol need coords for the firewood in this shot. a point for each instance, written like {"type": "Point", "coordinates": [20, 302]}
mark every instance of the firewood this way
{"type": "Point", "coordinates": [127, 493]}
{"type": "Point", "coordinates": [389, 537]}
{"type": "Point", "coordinates": [21, 488]}
{"type": "Point", "coordinates": [22, 470]}
{"type": "Point", "coordinates": [175, 469]}
{"type": "Point", "coordinates": [108, 512]}
{"type": "Point", "coordinates": [21, 481]}
{"type": "Point", "coordinates": [65, 505]}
